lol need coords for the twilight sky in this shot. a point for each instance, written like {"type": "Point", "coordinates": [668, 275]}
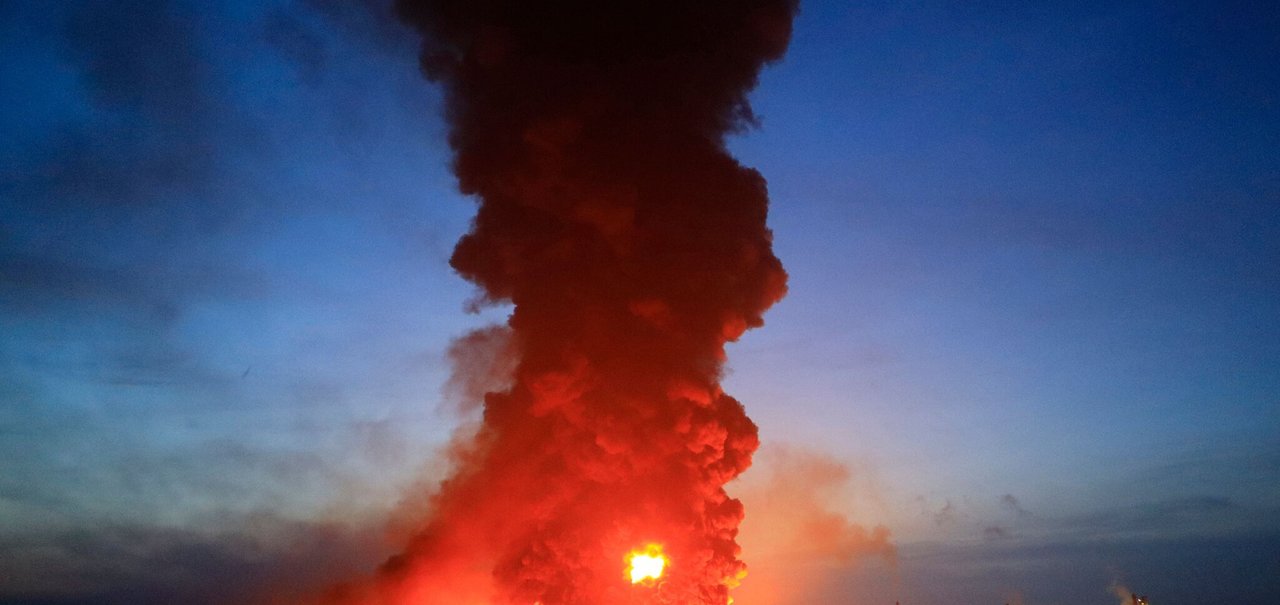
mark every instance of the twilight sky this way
{"type": "Point", "coordinates": [1034, 309]}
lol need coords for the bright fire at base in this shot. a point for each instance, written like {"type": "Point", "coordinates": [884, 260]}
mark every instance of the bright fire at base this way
{"type": "Point", "coordinates": [646, 564]}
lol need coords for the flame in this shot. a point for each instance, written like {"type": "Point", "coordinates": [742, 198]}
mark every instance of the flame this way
{"type": "Point", "coordinates": [646, 564]}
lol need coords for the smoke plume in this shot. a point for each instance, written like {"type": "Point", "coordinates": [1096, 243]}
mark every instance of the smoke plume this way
{"type": "Point", "coordinates": [797, 532]}
{"type": "Point", "coordinates": [633, 247]}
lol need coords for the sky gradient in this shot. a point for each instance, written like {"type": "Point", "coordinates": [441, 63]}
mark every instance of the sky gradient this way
{"type": "Point", "coordinates": [1034, 311]}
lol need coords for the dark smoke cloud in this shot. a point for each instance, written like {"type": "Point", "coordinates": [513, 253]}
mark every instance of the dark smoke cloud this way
{"type": "Point", "coordinates": [633, 247]}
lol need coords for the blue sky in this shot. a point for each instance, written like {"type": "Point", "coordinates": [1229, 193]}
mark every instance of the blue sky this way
{"type": "Point", "coordinates": [1034, 306]}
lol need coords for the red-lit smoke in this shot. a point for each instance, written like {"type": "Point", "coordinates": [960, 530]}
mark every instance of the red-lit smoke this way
{"type": "Point", "coordinates": [633, 248]}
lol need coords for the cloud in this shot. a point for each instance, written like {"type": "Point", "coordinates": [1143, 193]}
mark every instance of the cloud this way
{"type": "Point", "coordinates": [372, 23]}
{"type": "Point", "coordinates": [298, 42]}
{"type": "Point", "coordinates": [1156, 518]}
{"type": "Point", "coordinates": [153, 123]}
{"type": "Point", "coordinates": [144, 216]}
{"type": "Point", "coordinates": [139, 53]}
{"type": "Point", "coordinates": [36, 285]}
{"type": "Point", "coordinates": [945, 515]}
{"type": "Point", "coordinates": [995, 532]}
{"type": "Point", "coordinates": [249, 558]}
{"type": "Point", "coordinates": [1010, 503]}
{"type": "Point", "coordinates": [158, 166]}
{"type": "Point", "coordinates": [106, 209]}
{"type": "Point", "coordinates": [1225, 569]}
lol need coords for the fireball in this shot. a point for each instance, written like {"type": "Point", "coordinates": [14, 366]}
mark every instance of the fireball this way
{"type": "Point", "coordinates": [646, 564]}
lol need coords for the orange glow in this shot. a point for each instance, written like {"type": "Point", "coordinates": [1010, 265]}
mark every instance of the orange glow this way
{"type": "Point", "coordinates": [646, 564]}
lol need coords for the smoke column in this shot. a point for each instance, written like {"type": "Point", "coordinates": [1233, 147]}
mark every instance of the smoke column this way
{"type": "Point", "coordinates": [633, 247]}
